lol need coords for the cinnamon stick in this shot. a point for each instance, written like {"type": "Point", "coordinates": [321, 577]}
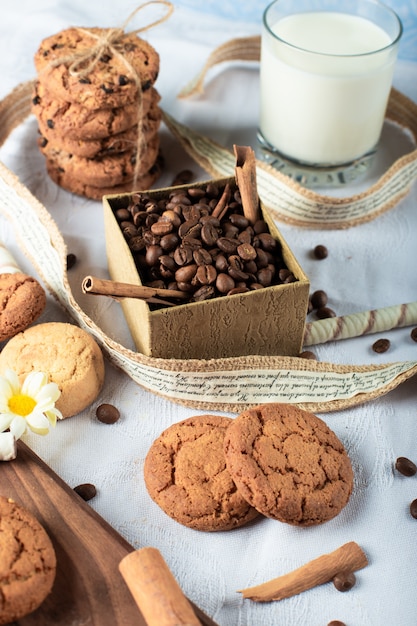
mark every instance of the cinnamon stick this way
{"type": "Point", "coordinates": [348, 558]}
{"type": "Point", "coordinates": [116, 289]}
{"type": "Point", "coordinates": [155, 590]}
{"type": "Point", "coordinates": [245, 173]}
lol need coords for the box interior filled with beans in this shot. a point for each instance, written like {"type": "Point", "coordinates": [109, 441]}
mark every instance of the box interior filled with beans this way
{"type": "Point", "coordinates": [223, 286]}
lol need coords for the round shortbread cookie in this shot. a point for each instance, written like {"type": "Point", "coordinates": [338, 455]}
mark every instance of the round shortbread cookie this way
{"type": "Point", "coordinates": [22, 300]}
{"type": "Point", "coordinates": [67, 354]}
{"type": "Point", "coordinates": [71, 184]}
{"type": "Point", "coordinates": [288, 464]}
{"type": "Point", "coordinates": [111, 82]}
{"type": "Point", "coordinates": [75, 121]}
{"type": "Point", "coordinates": [27, 562]}
{"type": "Point", "coordinates": [185, 474]}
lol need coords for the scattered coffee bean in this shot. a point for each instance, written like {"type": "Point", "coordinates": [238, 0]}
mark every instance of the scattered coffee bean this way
{"type": "Point", "coordinates": [381, 345]}
{"type": "Point", "coordinates": [413, 334]}
{"type": "Point", "coordinates": [182, 178]}
{"type": "Point", "coordinates": [86, 491]}
{"type": "Point", "coordinates": [308, 354]}
{"type": "Point", "coordinates": [405, 466]}
{"type": "Point", "coordinates": [344, 581]}
{"type": "Point", "coordinates": [107, 413]}
{"type": "Point", "coordinates": [324, 312]}
{"type": "Point", "coordinates": [336, 622]}
{"type": "Point", "coordinates": [71, 260]}
{"type": "Point", "coordinates": [320, 252]}
{"type": "Point", "coordinates": [318, 299]}
{"type": "Point", "coordinates": [413, 509]}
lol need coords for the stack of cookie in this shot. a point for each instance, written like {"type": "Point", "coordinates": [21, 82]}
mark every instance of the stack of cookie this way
{"type": "Point", "coordinates": [97, 111]}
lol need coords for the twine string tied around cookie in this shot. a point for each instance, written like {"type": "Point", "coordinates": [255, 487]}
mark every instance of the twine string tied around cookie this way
{"type": "Point", "coordinates": [81, 64]}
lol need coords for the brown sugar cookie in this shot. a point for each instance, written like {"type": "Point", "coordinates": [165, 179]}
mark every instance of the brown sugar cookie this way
{"type": "Point", "coordinates": [27, 562]}
{"type": "Point", "coordinates": [22, 300]}
{"type": "Point", "coordinates": [104, 172]}
{"type": "Point", "coordinates": [74, 121]}
{"type": "Point", "coordinates": [73, 185]}
{"type": "Point", "coordinates": [185, 474]}
{"type": "Point", "coordinates": [67, 354]}
{"type": "Point", "coordinates": [111, 82]}
{"type": "Point", "coordinates": [288, 464]}
{"type": "Point", "coordinates": [105, 146]}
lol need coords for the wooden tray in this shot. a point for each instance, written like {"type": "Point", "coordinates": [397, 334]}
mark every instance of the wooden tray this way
{"type": "Point", "coordinates": [88, 589]}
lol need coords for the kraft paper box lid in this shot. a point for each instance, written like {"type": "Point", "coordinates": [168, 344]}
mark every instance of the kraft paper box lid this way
{"type": "Point", "coordinates": [268, 321]}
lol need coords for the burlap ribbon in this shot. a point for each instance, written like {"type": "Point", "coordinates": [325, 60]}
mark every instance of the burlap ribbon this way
{"type": "Point", "coordinates": [217, 385]}
{"type": "Point", "coordinates": [287, 200]}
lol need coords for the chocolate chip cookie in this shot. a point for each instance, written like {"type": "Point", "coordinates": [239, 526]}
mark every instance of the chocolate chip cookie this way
{"type": "Point", "coordinates": [27, 562]}
{"type": "Point", "coordinates": [114, 75]}
{"type": "Point", "coordinates": [185, 474]}
{"type": "Point", "coordinates": [288, 464]}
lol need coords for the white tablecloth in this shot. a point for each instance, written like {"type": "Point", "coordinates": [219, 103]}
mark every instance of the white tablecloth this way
{"type": "Point", "coordinates": [369, 266]}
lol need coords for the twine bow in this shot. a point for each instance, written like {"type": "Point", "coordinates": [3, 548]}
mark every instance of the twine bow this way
{"type": "Point", "coordinates": [82, 64]}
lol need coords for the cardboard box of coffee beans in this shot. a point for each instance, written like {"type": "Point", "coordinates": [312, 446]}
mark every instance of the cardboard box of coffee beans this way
{"type": "Point", "coordinates": [242, 290]}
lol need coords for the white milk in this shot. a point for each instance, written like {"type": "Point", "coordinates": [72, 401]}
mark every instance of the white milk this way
{"type": "Point", "coordinates": [322, 109]}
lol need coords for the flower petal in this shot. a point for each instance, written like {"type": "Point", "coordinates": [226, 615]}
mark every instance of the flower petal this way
{"type": "Point", "coordinates": [5, 420]}
{"type": "Point", "coordinates": [33, 384]}
{"type": "Point", "coordinates": [18, 426]}
{"type": "Point", "coordinates": [38, 423]}
{"type": "Point", "coordinates": [13, 380]}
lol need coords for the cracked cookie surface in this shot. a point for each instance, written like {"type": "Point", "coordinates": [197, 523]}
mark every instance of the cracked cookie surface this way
{"type": "Point", "coordinates": [67, 354]}
{"type": "Point", "coordinates": [185, 474]}
{"type": "Point", "coordinates": [22, 300]}
{"type": "Point", "coordinates": [288, 464]}
{"type": "Point", "coordinates": [27, 562]}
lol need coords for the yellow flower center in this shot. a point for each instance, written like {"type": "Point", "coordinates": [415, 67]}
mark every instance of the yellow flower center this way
{"type": "Point", "coordinates": [21, 404]}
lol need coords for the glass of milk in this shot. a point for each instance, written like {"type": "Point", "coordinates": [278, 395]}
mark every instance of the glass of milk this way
{"type": "Point", "coordinates": [325, 78]}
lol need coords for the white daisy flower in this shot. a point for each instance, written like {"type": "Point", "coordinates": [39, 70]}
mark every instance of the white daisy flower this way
{"type": "Point", "coordinates": [30, 405]}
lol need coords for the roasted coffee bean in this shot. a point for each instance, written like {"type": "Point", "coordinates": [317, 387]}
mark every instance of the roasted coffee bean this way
{"type": "Point", "coordinates": [169, 242]}
{"type": "Point", "coordinates": [246, 252]}
{"type": "Point", "coordinates": [268, 243]}
{"type": "Point", "coordinates": [344, 581]}
{"type": "Point", "coordinates": [224, 283]}
{"type": "Point", "coordinates": [237, 290]}
{"type": "Point", "coordinates": [264, 276]}
{"type": "Point", "coordinates": [128, 229]}
{"type": "Point", "coordinates": [190, 228]}
{"type": "Point", "coordinates": [122, 214]}
{"type": "Point", "coordinates": [137, 243]}
{"type": "Point", "coordinates": [172, 217]}
{"type": "Point", "coordinates": [227, 244]}
{"type": "Point", "coordinates": [183, 255]}
{"type": "Point", "coordinates": [260, 226]}
{"type": "Point", "coordinates": [204, 293]}
{"type": "Point", "coordinates": [182, 178]}
{"type": "Point", "coordinates": [152, 254]}
{"type": "Point", "coordinates": [186, 273]}
{"type": "Point", "coordinates": [381, 345]}
{"type": "Point", "coordinates": [221, 263]}
{"type": "Point", "coordinates": [286, 276]}
{"type": "Point", "coordinates": [320, 252]}
{"type": "Point", "coordinates": [405, 466]}
{"type": "Point", "coordinates": [202, 257]}
{"type": "Point", "coordinates": [206, 274]}
{"type": "Point", "coordinates": [162, 227]}
{"type": "Point", "coordinates": [107, 413]}
{"type": "Point", "coordinates": [336, 622]}
{"type": "Point", "coordinates": [262, 258]}
{"type": "Point", "coordinates": [413, 334]}
{"type": "Point", "coordinates": [324, 312]}
{"type": "Point", "coordinates": [196, 192]}
{"type": "Point", "coordinates": [318, 299]}
{"type": "Point", "coordinates": [71, 260]}
{"type": "Point", "coordinates": [240, 221]}
{"type": "Point", "coordinates": [308, 354]}
{"type": "Point", "coordinates": [209, 233]}
{"type": "Point", "coordinates": [86, 491]}
{"type": "Point", "coordinates": [245, 236]}
{"type": "Point", "coordinates": [167, 266]}
{"type": "Point", "coordinates": [413, 509]}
